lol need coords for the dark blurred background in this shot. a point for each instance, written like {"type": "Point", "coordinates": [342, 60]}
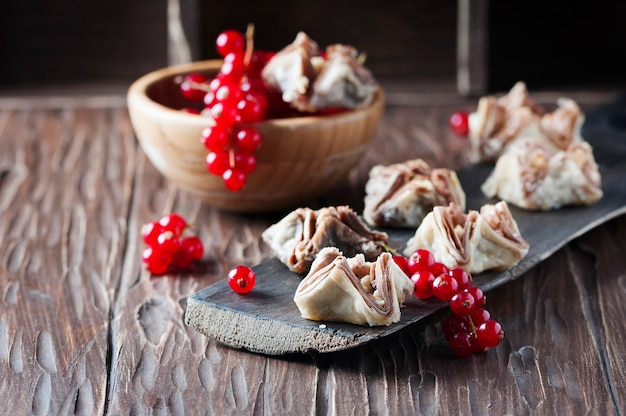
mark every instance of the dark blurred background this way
{"type": "Point", "coordinates": [477, 46]}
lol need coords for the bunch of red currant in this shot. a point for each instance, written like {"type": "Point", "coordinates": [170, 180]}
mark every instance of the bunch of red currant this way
{"type": "Point", "coordinates": [167, 244]}
{"type": "Point", "coordinates": [234, 99]}
{"type": "Point", "coordinates": [470, 329]}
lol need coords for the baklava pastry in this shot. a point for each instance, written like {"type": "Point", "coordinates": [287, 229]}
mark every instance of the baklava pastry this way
{"type": "Point", "coordinates": [534, 176]}
{"type": "Point", "coordinates": [299, 236]}
{"type": "Point", "coordinates": [342, 82]}
{"type": "Point", "coordinates": [499, 121]}
{"type": "Point", "coordinates": [488, 239]}
{"type": "Point", "coordinates": [353, 290]}
{"type": "Point", "coordinates": [400, 195]}
{"type": "Point", "coordinates": [310, 81]}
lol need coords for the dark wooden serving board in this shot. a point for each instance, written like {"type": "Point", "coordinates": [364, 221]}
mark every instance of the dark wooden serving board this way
{"type": "Point", "coordinates": [268, 321]}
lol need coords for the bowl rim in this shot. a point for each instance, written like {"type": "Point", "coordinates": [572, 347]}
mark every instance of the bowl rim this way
{"type": "Point", "coordinates": [137, 95]}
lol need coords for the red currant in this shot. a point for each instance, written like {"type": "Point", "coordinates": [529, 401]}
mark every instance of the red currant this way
{"type": "Point", "coordinates": [224, 113]}
{"type": "Point", "coordinates": [218, 162]}
{"type": "Point", "coordinates": [216, 138]}
{"type": "Point", "coordinates": [167, 242]}
{"type": "Point", "coordinates": [233, 67]}
{"type": "Point", "coordinates": [174, 223]}
{"type": "Point", "coordinates": [156, 261]}
{"type": "Point", "coordinates": [479, 315]}
{"type": "Point", "coordinates": [191, 249]}
{"type": "Point", "coordinates": [438, 268]}
{"type": "Point", "coordinates": [151, 231]}
{"type": "Point", "coordinates": [245, 162]}
{"type": "Point", "coordinates": [462, 303]}
{"type": "Point", "coordinates": [402, 262]}
{"type": "Point", "coordinates": [489, 333]}
{"type": "Point", "coordinates": [252, 108]}
{"type": "Point", "coordinates": [461, 344]}
{"type": "Point", "coordinates": [234, 179]}
{"type": "Point", "coordinates": [423, 281]}
{"type": "Point", "coordinates": [454, 324]}
{"type": "Point", "coordinates": [479, 296]}
{"type": "Point", "coordinates": [463, 278]}
{"type": "Point", "coordinates": [230, 41]}
{"type": "Point", "coordinates": [241, 279]}
{"type": "Point", "coordinates": [420, 259]}
{"type": "Point", "coordinates": [444, 287]}
{"type": "Point", "coordinates": [248, 139]}
{"type": "Point", "coordinates": [190, 87]}
{"type": "Point", "coordinates": [258, 60]}
{"type": "Point", "coordinates": [459, 122]}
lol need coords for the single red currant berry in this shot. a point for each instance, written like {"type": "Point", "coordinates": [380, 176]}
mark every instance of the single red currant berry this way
{"type": "Point", "coordinates": [423, 281]}
{"type": "Point", "coordinates": [480, 315]}
{"type": "Point", "coordinates": [191, 249]}
{"type": "Point", "coordinates": [168, 242]}
{"type": "Point", "coordinates": [402, 262]}
{"type": "Point", "coordinates": [229, 92]}
{"type": "Point", "coordinates": [224, 113]}
{"type": "Point", "coordinates": [174, 223]}
{"type": "Point", "coordinates": [194, 246]}
{"type": "Point", "coordinates": [444, 287]}
{"type": "Point", "coordinates": [459, 122]}
{"type": "Point", "coordinates": [245, 162]}
{"type": "Point", "coordinates": [462, 303]}
{"type": "Point", "coordinates": [248, 139]}
{"type": "Point", "coordinates": [233, 67]}
{"type": "Point", "coordinates": [254, 85]}
{"type": "Point", "coordinates": [230, 41]}
{"type": "Point", "coordinates": [191, 88]}
{"type": "Point", "coordinates": [479, 296]}
{"type": "Point", "coordinates": [258, 60]}
{"type": "Point", "coordinates": [241, 279]}
{"type": "Point", "coordinates": [489, 333]}
{"type": "Point", "coordinates": [461, 344]}
{"type": "Point", "coordinates": [438, 268]}
{"type": "Point", "coordinates": [463, 278]}
{"type": "Point", "coordinates": [252, 108]}
{"type": "Point", "coordinates": [216, 138]}
{"type": "Point", "coordinates": [454, 324]}
{"type": "Point", "coordinates": [156, 261]}
{"type": "Point", "coordinates": [150, 232]}
{"type": "Point", "coordinates": [217, 162]}
{"type": "Point", "coordinates": [234, 179]}
{"type": "Point", "coordinates": [420, 259]}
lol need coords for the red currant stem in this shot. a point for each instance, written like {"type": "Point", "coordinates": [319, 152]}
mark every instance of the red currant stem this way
{"type": "Point", "coordinates": [472, 326]}
{"type": "Point", "coordinates": [249, 45]}
{"type": "Point", "coordinates": [196, 85]}
{"type": "Point", "coordinates": [389, 249]}
{"type": "Point", "coordinates": [231, 158]}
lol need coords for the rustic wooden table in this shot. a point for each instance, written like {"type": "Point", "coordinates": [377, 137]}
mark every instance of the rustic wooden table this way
{"type": "Point", "coordinates": [85, 330]}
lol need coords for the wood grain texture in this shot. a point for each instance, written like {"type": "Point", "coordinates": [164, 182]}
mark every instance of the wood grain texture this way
{"type": "Point", "coordinates": [85, 330]}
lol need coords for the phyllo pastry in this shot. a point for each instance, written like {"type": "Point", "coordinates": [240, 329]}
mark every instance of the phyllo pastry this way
{"type": "Point", "coordinates": [501, 122]}
{"type": "Point", "coordinates": [353, 290]}
{"type": "Point", "coordinates": [488, 239]}
{"type": "Point", "coordinates": [498, 121]}
{"type": "Point", "coordinates": [400, 195]}
{"type": "Point", "coordinates": [534, 176]}
{"type": "Point", "coordinates": [299, 236]}
{"type": "Point", "coordinates": [310, 81]}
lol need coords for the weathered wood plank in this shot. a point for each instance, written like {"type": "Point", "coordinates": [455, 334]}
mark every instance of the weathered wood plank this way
{"type": "Point", "coordinates": [64, 189]}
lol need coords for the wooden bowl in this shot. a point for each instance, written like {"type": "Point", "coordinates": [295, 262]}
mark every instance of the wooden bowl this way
{"type": "Point", "coordinates": [299, 157]}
